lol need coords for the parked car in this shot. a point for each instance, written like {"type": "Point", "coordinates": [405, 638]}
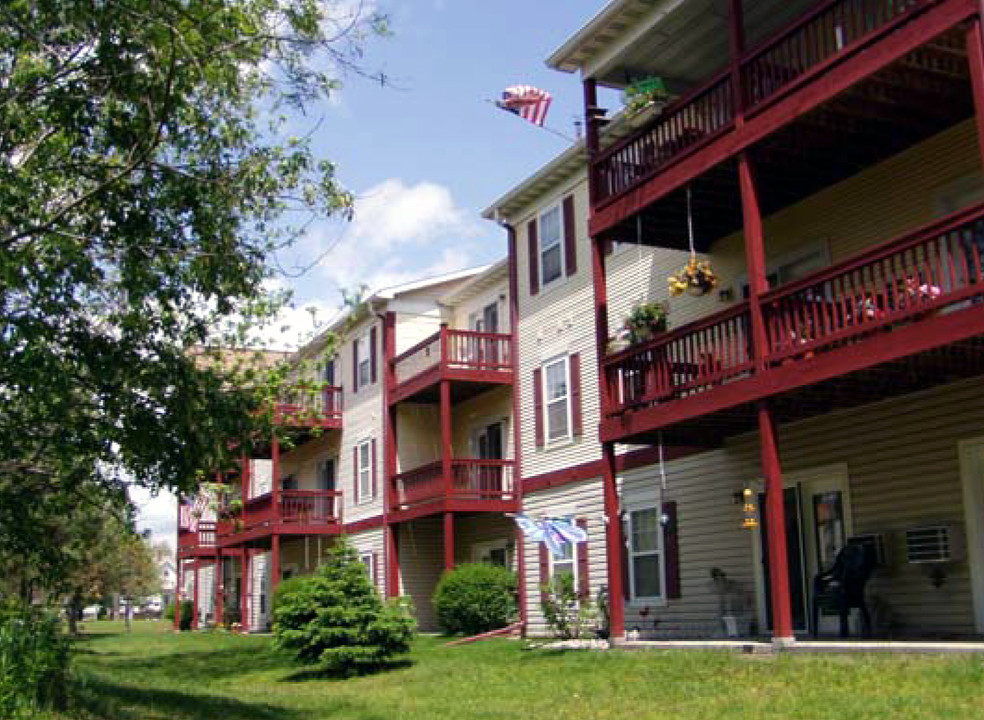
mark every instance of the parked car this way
{"type": "Point", "coordinates": [91, 612]}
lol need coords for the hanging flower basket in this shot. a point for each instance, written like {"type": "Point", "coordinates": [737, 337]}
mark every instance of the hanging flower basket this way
{"type": "Point", "coordinates": [645, 322]}
{"type": "Point", "coordinates": [695, 278]}
{"type": "Point", "coordinates": [643, 94]}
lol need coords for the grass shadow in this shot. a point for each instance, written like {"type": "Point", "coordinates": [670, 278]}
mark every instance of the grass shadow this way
{"type": "Point", "coordinates": [102, 700]}
{"type": "Point", "coordinates": [214, 664]}
{"type": "Point", "coordinates": [322, 674]}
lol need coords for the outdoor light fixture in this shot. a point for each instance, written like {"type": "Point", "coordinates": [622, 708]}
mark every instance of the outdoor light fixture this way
{"type": "Point", "coordinates": [749, 510]}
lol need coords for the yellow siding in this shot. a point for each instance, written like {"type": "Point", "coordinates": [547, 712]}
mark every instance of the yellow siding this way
{"type": "Point", "coordinates": [482, 410]}
{"type": "Point", "coordinates": [418, 432]}
{"type": "Point", "coordinates": [421, 550]}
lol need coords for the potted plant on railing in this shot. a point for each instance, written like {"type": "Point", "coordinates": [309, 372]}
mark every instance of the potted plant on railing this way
{"type": "Point", "coordinates": [643, 94]}
{"type": "Point", "coordinates": [645, 322]}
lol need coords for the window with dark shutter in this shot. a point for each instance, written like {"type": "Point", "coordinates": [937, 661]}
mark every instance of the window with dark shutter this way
{"type": "Point", "coordinates": [355, 365]}
{"type": "Point", "coordinates": [534, 257]}
{"type": "Point", "coordinates": [374, 472]}
{"type": "Point", "coordinates": [583, 568]}
{"type": "Point", "coordinates": [577, 420]}
{"type": "Point", "coordinates": [355, 474]}
{"type": "Point", "coordinates": [570, 237]}
{"type": "Point", "coordinates": [538, 406]}
{"type": "Point", "coordinates": [544, 569]}
{"type": "Point", "coordinates": [372, 354]}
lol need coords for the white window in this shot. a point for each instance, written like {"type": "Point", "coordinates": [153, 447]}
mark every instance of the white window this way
{"type": "Point", "coordinates": [646, 554]}
{"type": "Point", "coordinates": [566, 565]}
{"type": "Point", "coordinates": [365, 356]}
{"type": "Point", "coordinates": [365, 471]}
{"type": "Point", "coordinates": [369, 560]}
{"type": "Point", "coordinates": [551, 248]}
{"type": "Point", "coordinates": [557, 400]}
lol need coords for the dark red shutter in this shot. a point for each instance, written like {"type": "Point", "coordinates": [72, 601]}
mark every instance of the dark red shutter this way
{"type": "Point", "coordinates": [534, 248]}
{"type": "Point", "coordinates": [583, 572]}
{"type": "Point", "coordinates": [671, 547]}
{"type": "Point", "coordinates": [538, 406]}
{"type": "Point", "coordinates": [623, 549]}
{"type": "Point", "coordinates": [544, 569]}
{"type": "Point", "coordinates": [372, 452]}
{"type": "Point", "coordinates": [355, 474]}
{"type": "Point", "coordinates": [570, 236]}
{"type": "Point", "coordinates": [607, 246]}
{"type": "Point", "coordinates": [375, 570]}
{"type": "Point", "coordinates": [577, 421]}
{"type": "Point", "coordinates": [372, 354]}
{"type": "Point", "coordinates": [355, 365]}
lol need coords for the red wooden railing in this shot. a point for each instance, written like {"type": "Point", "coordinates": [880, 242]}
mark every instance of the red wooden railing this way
{"type": "Point", "coordinates": [472, 479]}
{"type": "Point", "coordinates": [935, 269]}
{"type": "Point", "coordinates": [802, 49]}
{"type": "Point", "coordinates": [310, 506]}
{"type": "Point", "coordinates": [300, 404]}
{"type": "Point", "coordinates": [205, 537]}
{"type": "Point", "coordinates": [456, 349]}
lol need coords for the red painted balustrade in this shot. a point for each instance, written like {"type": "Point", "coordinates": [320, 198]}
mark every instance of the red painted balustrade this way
{"type": "Point", "coordinates": [932, 271]}
{"type": "Point", "coordinates": [306, 507]}
{"type": "Point", "coordinates": [205, 537]}
{"type": "Point", "coordinates": [470, 479]}
{"type": "Point", "coordinates": [455, 350]}
{"type": "Point", "coordinates": [781, 63]}
{"type": "Point", "coordinates": [315, 404]}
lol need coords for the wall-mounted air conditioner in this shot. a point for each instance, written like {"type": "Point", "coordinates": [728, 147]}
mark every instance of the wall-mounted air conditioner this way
{"type": "Point", "coordinates": [932, 544]}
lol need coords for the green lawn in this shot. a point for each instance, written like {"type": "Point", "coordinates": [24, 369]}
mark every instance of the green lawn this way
{"type": "Point", "coordinates": [155, 674]}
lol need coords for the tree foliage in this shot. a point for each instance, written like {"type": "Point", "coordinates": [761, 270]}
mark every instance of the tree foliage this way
{"type": "Point", "coordinates": [475, 598]}
{"type": "Point", "coordinates": [145, 178]}
{"type": "Point", "coordinates": [336, 619]}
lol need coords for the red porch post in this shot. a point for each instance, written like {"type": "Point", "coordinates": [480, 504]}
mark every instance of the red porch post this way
{"type": "Point", "coordinates": [782, 617]}
{"type": "Point", "coordinates": [390, 449]}
{"type": "Point", "coordinates": [736, 38]}
{"type": "Point", "coordinates": [758, 282]}
{"type": "Point", "coordinates": [178, 590]}
{"type": "Point", "coordinates": [274, 565]}
{"type": "Point", "coordinates": [449, 541]}
{"type": "Point", "coordinates": [517, 437]}
{"type": "Point", "coordinates": [275, 483]}
{"type": "Point", "coordinates": [219, 588]}
{"type": "Point", "coordinates": [613, 544]}
{"type": "Point", "coordinates": [194, 607]}
{"type": "Point", "coordinates": [975, 59]}
{"type": "Point", "coordinates": [245, 566]}
{"type": "Point", "coordinates": [245, 479]}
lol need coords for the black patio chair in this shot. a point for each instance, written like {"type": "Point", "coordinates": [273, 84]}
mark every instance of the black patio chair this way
{"type": "Point", "coordinates": [841, 588]}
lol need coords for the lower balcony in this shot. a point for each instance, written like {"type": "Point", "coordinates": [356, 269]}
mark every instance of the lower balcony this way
{"type": "Point", "coordinates": [903, 316]}
{"type": "Point", "coordinates": [202, 541]}
{"type": "Point", "coordinates": [468, 485]}
{"type": "Point", "coordinates": [310, 407]}
{"type": "Point", "coordinates": [293, 512]}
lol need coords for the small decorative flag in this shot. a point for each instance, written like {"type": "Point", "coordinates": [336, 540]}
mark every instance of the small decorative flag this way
{"type": "Point", "coordinates": [556, 533]}
{"type": "Point", "coordinates": [528, 102]}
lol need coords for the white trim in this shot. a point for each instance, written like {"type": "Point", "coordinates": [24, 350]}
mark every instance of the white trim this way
{"type": "Point", "coordinates": [364, 352]}
{"type": "Point", "coordinates": [972, 479]}
{"type": "Point", "coordinates": [370, 565]}
{"type": "Point", "coordinates": [573, 562]}
{"type": "Point", "coordinates": [368, 497]}
{"type": "Point", "coordinates": [546, 285]}
{"type": "Point", "coordinates": [657, 600]}
{"type": "Point", "coordinates": [568, 437]}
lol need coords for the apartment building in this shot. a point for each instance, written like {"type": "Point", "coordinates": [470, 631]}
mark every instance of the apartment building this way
{"type": "Point", "coordinates": [828, 157]}
{"type": "Point", "coordinates": [373, 453]}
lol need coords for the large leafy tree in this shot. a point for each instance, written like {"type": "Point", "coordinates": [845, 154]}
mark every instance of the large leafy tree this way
{"type": "Point", "coordinates": [144, 181]}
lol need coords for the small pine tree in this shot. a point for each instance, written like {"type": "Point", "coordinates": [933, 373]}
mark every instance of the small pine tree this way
{"type": "Point", "coordinates": [335, 619]}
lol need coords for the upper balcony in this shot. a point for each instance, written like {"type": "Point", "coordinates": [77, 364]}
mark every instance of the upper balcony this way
{"type": "Point", "coordinates": [476, 361]}
{"type": "Point", "coordinates": [469, 485]}
{"type": "Point", "coordinates": [310, 407]}
{"type": "Point", "coordinates": [900, 317]}
{"type": "Point", "coordinates": [286, 512]}
{"type": "Point", "coordinates": [811, 100]}
{"type": "Point", "coordinates": [203, 541]}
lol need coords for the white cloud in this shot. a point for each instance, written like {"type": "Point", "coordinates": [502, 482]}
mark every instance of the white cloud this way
{"type": "Point", "coordinates": [157, 513]}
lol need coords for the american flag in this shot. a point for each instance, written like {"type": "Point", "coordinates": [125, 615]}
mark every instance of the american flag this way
{"type": "Point", "coordinates": [528, 102]}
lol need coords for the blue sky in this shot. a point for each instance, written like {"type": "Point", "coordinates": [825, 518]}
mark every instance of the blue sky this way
{"type": "Point", "coordinates": [425, 155]}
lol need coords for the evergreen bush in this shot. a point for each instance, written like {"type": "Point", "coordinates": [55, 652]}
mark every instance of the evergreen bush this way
{"type": "Point", "coordinates": [187, 610]}
{"type": "Point", "coordinates": [335, 619]}
{"type": "Point", "coordinates": [475, 598]}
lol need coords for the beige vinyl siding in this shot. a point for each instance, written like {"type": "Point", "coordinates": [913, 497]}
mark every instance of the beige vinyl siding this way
{"type": "Point", "coordinates": [206, 595]}
{"type": "Point", "coordinates": [413, 327]}
{"type": "Point", "coordinates": [903, 468]}
{"type": "Point", "coordinates": [421, 552]}
{"type": "Point", "coordinates": [303, 555]}
{"type": "Point", "coordinates": [372, 541]}
{"type": "Point", "coordinates": [418, 432]}
{"type": "Point", "coordinates": [476, 304]}
{"type": "Point", "coordinates": [478, 412]}
{"type": "Point", "coordinates": [472, 530]}
{"type": "Point", "coordinates": [259, 592]}
{"type": "Point", "coordinates": [582, 500]}
{"type": "Point", "coordinates": [302, 461]}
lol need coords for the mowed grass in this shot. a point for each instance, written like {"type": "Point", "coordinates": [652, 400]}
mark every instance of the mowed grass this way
{"type": "Point", "coordinates": [154, 673]}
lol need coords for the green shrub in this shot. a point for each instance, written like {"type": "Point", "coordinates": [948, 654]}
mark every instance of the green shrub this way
{"type": "Point", "coordinates": [187, 611]}
{"type": "Point", "coordinates": [473, 599]}
{"type": "Point", "coordinates": [567, 614]}
{"type": "Point", "coordinates": [336, 619]}
{"type": "Point", "coordinates": [169, 612]}
{"type": "Point", "coordinates": [34, 659]}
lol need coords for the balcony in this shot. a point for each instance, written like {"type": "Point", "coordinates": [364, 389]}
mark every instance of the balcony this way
{"type": "Point", "coordinates": [201, 542]}
{"type": "Point", "coordinates": [476, 361]}
{"type": "Point", "coordinates": [901, 317]}
{"type": "Point", "coordinates": [842, 71]}
{"type": "Point", "coordinates": [310, 407]}
{"type": "Point", "coordinates": [295, 512]}
{"type": "Point", "coordinates": [472, 485]}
